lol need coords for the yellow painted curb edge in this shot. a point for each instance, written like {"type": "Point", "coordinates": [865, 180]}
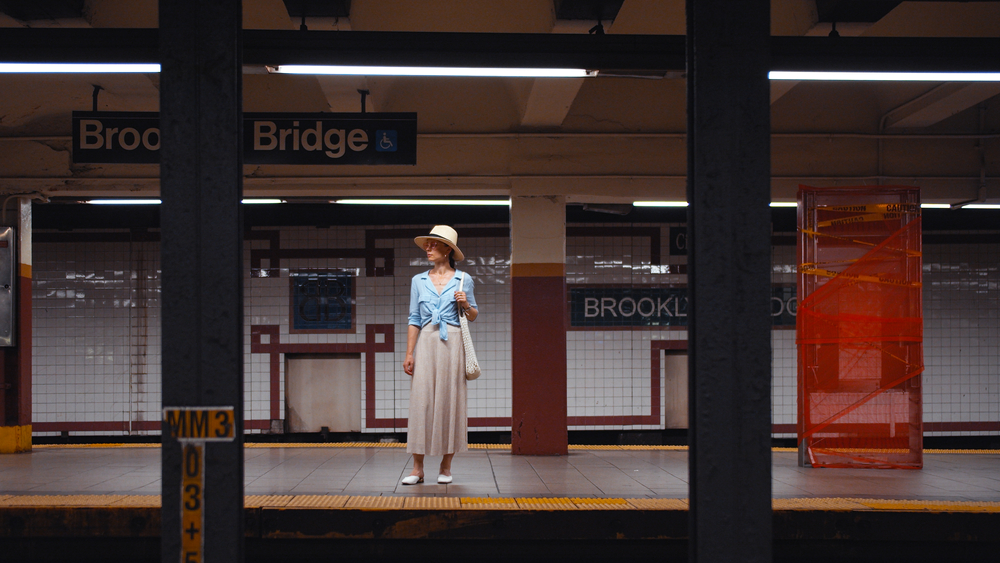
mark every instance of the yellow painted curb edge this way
{"type": "Point", "coordinates": [15, 439]}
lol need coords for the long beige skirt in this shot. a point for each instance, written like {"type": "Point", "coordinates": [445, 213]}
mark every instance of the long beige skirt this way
{"type": "Point", "coordinates": [438, 420]}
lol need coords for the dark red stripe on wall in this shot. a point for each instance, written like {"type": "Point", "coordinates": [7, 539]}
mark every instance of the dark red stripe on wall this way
{"type": "Point", "coordinates": [962, 426]}
{"type": "Point", "coordinates": [24, 347]}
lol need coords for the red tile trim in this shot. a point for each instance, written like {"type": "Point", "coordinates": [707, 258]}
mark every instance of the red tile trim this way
{"type": "Point", "coordinates": [369, 348]}
{"type": "Point", "coordinates": [653, 418]}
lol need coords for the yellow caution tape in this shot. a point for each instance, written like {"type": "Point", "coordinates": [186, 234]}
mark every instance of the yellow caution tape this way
{"type": "Point", "coordinates": [866, 218]}
{"type": "Point", "coordinates": [856, 277]}
{"type": "Point", "coordinates": [854, 241]}
{"type": "Point", "coordinates": [874, 208]}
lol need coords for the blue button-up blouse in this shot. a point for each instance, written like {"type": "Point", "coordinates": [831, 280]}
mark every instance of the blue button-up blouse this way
{"type": "Point", "coordinates": [427, 306]}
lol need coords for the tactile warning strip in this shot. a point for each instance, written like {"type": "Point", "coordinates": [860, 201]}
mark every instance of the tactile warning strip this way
{"type": "Point", "coordinates": [61, 500]}
{"type": "Point", "coordinates": [318, 501]}
{"type": "Point", "coordinates": [659, 503]}
{"type": "Point", "coordinates": [141, 501]}
{"type": "Point", "coordinates": [133, 445]}
{"type": "Point", "coordinates": [433, 503]}
{"type": "Point", "coordinates": [602, 504]}
{"type": "Point", "coordinates": [930, 506]}
{"type": "Point", "coordinates": [258, 501]}
{"type": "Point", "coordinates": [375, 502]}
{"type": "Point", "coordinates": [489, 446]}
{"type": "Point", "coordinates": [555, 503]}
{"type": "Point", "coordinates": [489, 503]}
{"type": "Point", "coordinates": [816, 504]}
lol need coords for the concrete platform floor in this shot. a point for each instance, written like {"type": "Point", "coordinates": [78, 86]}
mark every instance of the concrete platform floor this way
{"type": "Point", "coordinates": [491, 471]}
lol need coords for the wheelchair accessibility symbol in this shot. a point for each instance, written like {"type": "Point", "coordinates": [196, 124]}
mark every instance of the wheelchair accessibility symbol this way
{"type": "Point", "coordinates": [385, 140]}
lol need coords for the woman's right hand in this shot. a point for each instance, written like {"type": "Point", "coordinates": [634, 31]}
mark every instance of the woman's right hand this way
{"type": "Point", "coordinates": [408, 365]}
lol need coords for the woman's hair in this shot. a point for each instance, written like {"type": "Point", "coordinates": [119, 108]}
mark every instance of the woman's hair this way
{"type": "Point", "coordinates": [451, 257]}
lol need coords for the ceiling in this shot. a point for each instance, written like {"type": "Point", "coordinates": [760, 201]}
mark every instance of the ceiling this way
{"type": "Point", "coordinates": [598, 140]}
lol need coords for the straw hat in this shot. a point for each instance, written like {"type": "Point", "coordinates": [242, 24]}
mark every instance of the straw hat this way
{"type": "Point", "coordinates": [445, 234]}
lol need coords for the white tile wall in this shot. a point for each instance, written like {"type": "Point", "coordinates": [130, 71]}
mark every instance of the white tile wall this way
{"type": "Point", "coordinates": [96, 315]}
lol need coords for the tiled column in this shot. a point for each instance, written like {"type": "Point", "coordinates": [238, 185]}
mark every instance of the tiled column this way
{"type": "Point", "coordinates": [538, 325]}
{"type": "Point", "coordinates": [15, 424]}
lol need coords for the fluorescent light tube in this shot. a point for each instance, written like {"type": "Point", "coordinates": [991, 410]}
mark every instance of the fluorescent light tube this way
{"type": "Point", "coordinates": [935, 206]}
{"type": "Point", "coordinates": [55, 68]}
{"type": "Point", "coordinates": [660, 203]}
{"type": "Point", "coordinates": [981, 206]}
{"type": "Point", "coordinates": [496, 202]}
{"type": "Point", "coordinates": [885, 76]}
{"type": "Point", "coordinates": [435, 71]}
{"type": "Point", "coordinates": [124, 201]}
{"type": "Point", "coordinates": [784, 204]}
{"type": "Point", "coordinates": [157, 202]}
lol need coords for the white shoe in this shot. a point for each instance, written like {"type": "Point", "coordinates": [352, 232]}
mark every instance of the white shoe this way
{"type": "Point", "coordinates": [412, 480]}
{"type": "Point", "coordinates": [444, 479]}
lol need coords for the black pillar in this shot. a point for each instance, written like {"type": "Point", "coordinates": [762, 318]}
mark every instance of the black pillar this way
{"type": "Point", "coordinates": [201, 184]}
{"type": "Point", "coordinates": [729, 256]}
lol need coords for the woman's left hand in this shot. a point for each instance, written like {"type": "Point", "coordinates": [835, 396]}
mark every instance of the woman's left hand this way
{"type": "Point", "coordinates": [462, 299]}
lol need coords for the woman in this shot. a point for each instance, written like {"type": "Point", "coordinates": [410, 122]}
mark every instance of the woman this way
{"type": "Point", "coordinates": [435, 356]}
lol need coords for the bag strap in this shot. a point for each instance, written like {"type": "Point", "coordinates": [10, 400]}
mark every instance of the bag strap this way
{"type": "Point", "coordinates": [461, 281]}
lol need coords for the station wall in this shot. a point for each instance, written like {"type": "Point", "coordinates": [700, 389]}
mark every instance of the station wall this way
{"type": "Point", "coordinates": [96, 334]}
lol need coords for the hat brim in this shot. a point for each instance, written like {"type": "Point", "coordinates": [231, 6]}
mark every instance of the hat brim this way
{"type": "Point", "coordinates": [459, 255]}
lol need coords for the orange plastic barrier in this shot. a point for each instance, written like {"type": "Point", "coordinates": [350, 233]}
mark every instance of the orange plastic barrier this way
{"type": "Point", "coordinates": [860, 327]}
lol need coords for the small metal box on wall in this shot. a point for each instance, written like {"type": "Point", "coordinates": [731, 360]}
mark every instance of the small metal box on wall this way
{"type": "Point", "coordinates": [8, 265]}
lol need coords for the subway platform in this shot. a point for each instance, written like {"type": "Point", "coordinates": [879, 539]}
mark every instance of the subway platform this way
{"type": "Point", "coordinates": [308, 501]}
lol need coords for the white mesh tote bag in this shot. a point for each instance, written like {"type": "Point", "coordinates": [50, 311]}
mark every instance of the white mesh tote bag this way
{"type": "Point", "coordinates": [472, 370]}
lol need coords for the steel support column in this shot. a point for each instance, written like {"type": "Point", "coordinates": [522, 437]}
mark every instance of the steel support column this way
{"type": "Point", "coordinates": [729, 256]}
{"type": "Point", "coordinates": [201, 184]}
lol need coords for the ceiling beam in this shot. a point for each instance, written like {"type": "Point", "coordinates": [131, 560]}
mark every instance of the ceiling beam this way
{"type": "Point", "coordinates": [939, 104]}
{"type": "Point", "coordinates": [540, 50]}
{"type": "Point", "coordinates": [549, 101]}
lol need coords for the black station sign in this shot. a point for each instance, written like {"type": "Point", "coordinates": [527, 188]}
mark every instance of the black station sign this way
{"type": "Point", "coordinates": [631, 307]}
{"type": "Point", "coordinates": [322, 301]}
{"type": "Point", "coordinates": [268, 138]}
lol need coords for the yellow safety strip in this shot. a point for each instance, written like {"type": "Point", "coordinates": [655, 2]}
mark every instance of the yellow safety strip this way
{"type": "Point", "coordinates": [338, 502]}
